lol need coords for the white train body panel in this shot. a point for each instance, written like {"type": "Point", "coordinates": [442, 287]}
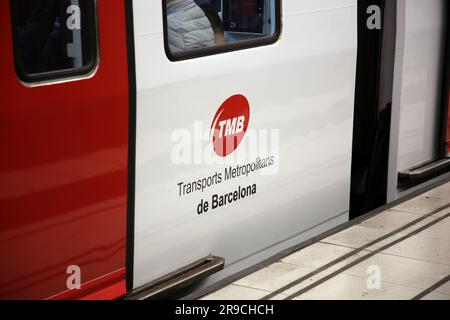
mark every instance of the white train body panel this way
{"type": "Point", "coordinates": [302, 87]}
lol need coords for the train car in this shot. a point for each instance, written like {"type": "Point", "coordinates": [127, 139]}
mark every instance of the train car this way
{"type": "Point", "coordinates": [154, 148]}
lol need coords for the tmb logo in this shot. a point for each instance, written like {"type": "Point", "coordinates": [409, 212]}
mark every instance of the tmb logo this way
{"type": "Point", "coordinates": [230, 125]}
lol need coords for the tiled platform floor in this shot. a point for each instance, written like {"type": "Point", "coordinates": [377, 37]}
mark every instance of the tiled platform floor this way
{"type": "Point", "coordinates": [402, 253]}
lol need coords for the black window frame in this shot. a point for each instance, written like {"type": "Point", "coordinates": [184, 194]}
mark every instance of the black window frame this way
{"type": "Point", "coordinates": [229, 47]}
{"type": "Point", "coordinates": [62, 74]}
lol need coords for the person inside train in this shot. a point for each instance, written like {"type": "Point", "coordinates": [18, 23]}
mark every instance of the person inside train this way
{"type": "Point", "coordinates": [40, 35]}
{"type": "Point", "coordinates": [192, 26]}
{"type": "Point", "coordinates": [216, 23]}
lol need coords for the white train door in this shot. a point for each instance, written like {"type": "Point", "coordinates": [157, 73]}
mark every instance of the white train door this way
{"type": "Point", "coordinates": [244, 128]}
{"type": "Point", "coordinates": [416, 155]}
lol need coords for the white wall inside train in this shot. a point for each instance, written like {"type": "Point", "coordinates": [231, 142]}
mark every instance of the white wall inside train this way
{"type": "Point", "coordinates": [416, 104]}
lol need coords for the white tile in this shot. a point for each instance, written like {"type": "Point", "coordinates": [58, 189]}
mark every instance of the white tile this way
{"type": "Point", "coordinates": [346, 287]}
{"type": "Point", "coordinates": [335, 268]}
{"type": "Point", "coordinates": [442, 213]}
{"type": "Point", "coordinates": [355, 237]}
{"type": "Point", "coordinates": [360, 235]}
{"type": "Point", "coordinates": [421, 248]}
{"type": "Point", "coordinates": [440, 231]}
{"type": "Point", "coordinates": [402, 271]}
{"type": "Point", "coordinates": [274, 276]}
{"type": "Point", "coordinates": [280, 274]}
{"type": "Point", "coordinates": [299, 299]}
{"type": "Point", "coordinates": [436, 296]}
{"type": "Point", "coordinates": [421, 205]}
{"type": "Point", "coordinates": [234, 292]}
{"type": "Point", "coordinates": [442, 192]}
{"type": "Point", "coordinates": [390, 220]}
{"type": "Point", "coordinates": [317, 255]}
{"type": "Point", "coordinates": [444, 288]}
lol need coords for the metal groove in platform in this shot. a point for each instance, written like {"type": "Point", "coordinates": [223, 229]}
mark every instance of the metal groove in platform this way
{"type": "Point", "coordinates": [408, 243]}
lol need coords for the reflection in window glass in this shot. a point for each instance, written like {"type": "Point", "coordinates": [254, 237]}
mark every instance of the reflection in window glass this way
{"type": "Point", "coordinates": [203, 24]}
{"type": "Point", "coordinates": [244, 16]}
{"type": "Point", "coordinates": [53, 36]}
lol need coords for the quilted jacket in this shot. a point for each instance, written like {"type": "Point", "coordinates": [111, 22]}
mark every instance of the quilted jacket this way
{"type": "Point", "coordinates": [188, 26]}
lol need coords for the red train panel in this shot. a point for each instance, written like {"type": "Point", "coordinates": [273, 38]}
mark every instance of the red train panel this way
{"type": "Point", "coordinates": [63, 172]}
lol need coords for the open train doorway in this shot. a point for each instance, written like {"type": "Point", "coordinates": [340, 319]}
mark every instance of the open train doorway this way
{"type": "Point", "coordinates": [401, 101]}
{"type": "Point", "coordinates": [373, 96]}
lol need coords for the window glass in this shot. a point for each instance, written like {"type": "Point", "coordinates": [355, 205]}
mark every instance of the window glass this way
{"type": "Point", "coordinates": [244, 16]}
{"type": "Point", "coordinates": [53, 38]}
{"type": "Point", "coordinates": [201, 27]}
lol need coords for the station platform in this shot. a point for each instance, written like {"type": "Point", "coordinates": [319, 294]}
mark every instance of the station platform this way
{"type": "Point", "coordinates": [398, 253]}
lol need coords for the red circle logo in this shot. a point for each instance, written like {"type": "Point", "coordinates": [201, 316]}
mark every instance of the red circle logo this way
{"type": "Point", "coordinates": [230, 125]}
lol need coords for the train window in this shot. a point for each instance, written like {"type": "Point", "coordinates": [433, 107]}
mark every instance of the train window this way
{"type": "Point", "coordinates": [54, 39]}
{"type": "Point", "coordinates": [195, 28]}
